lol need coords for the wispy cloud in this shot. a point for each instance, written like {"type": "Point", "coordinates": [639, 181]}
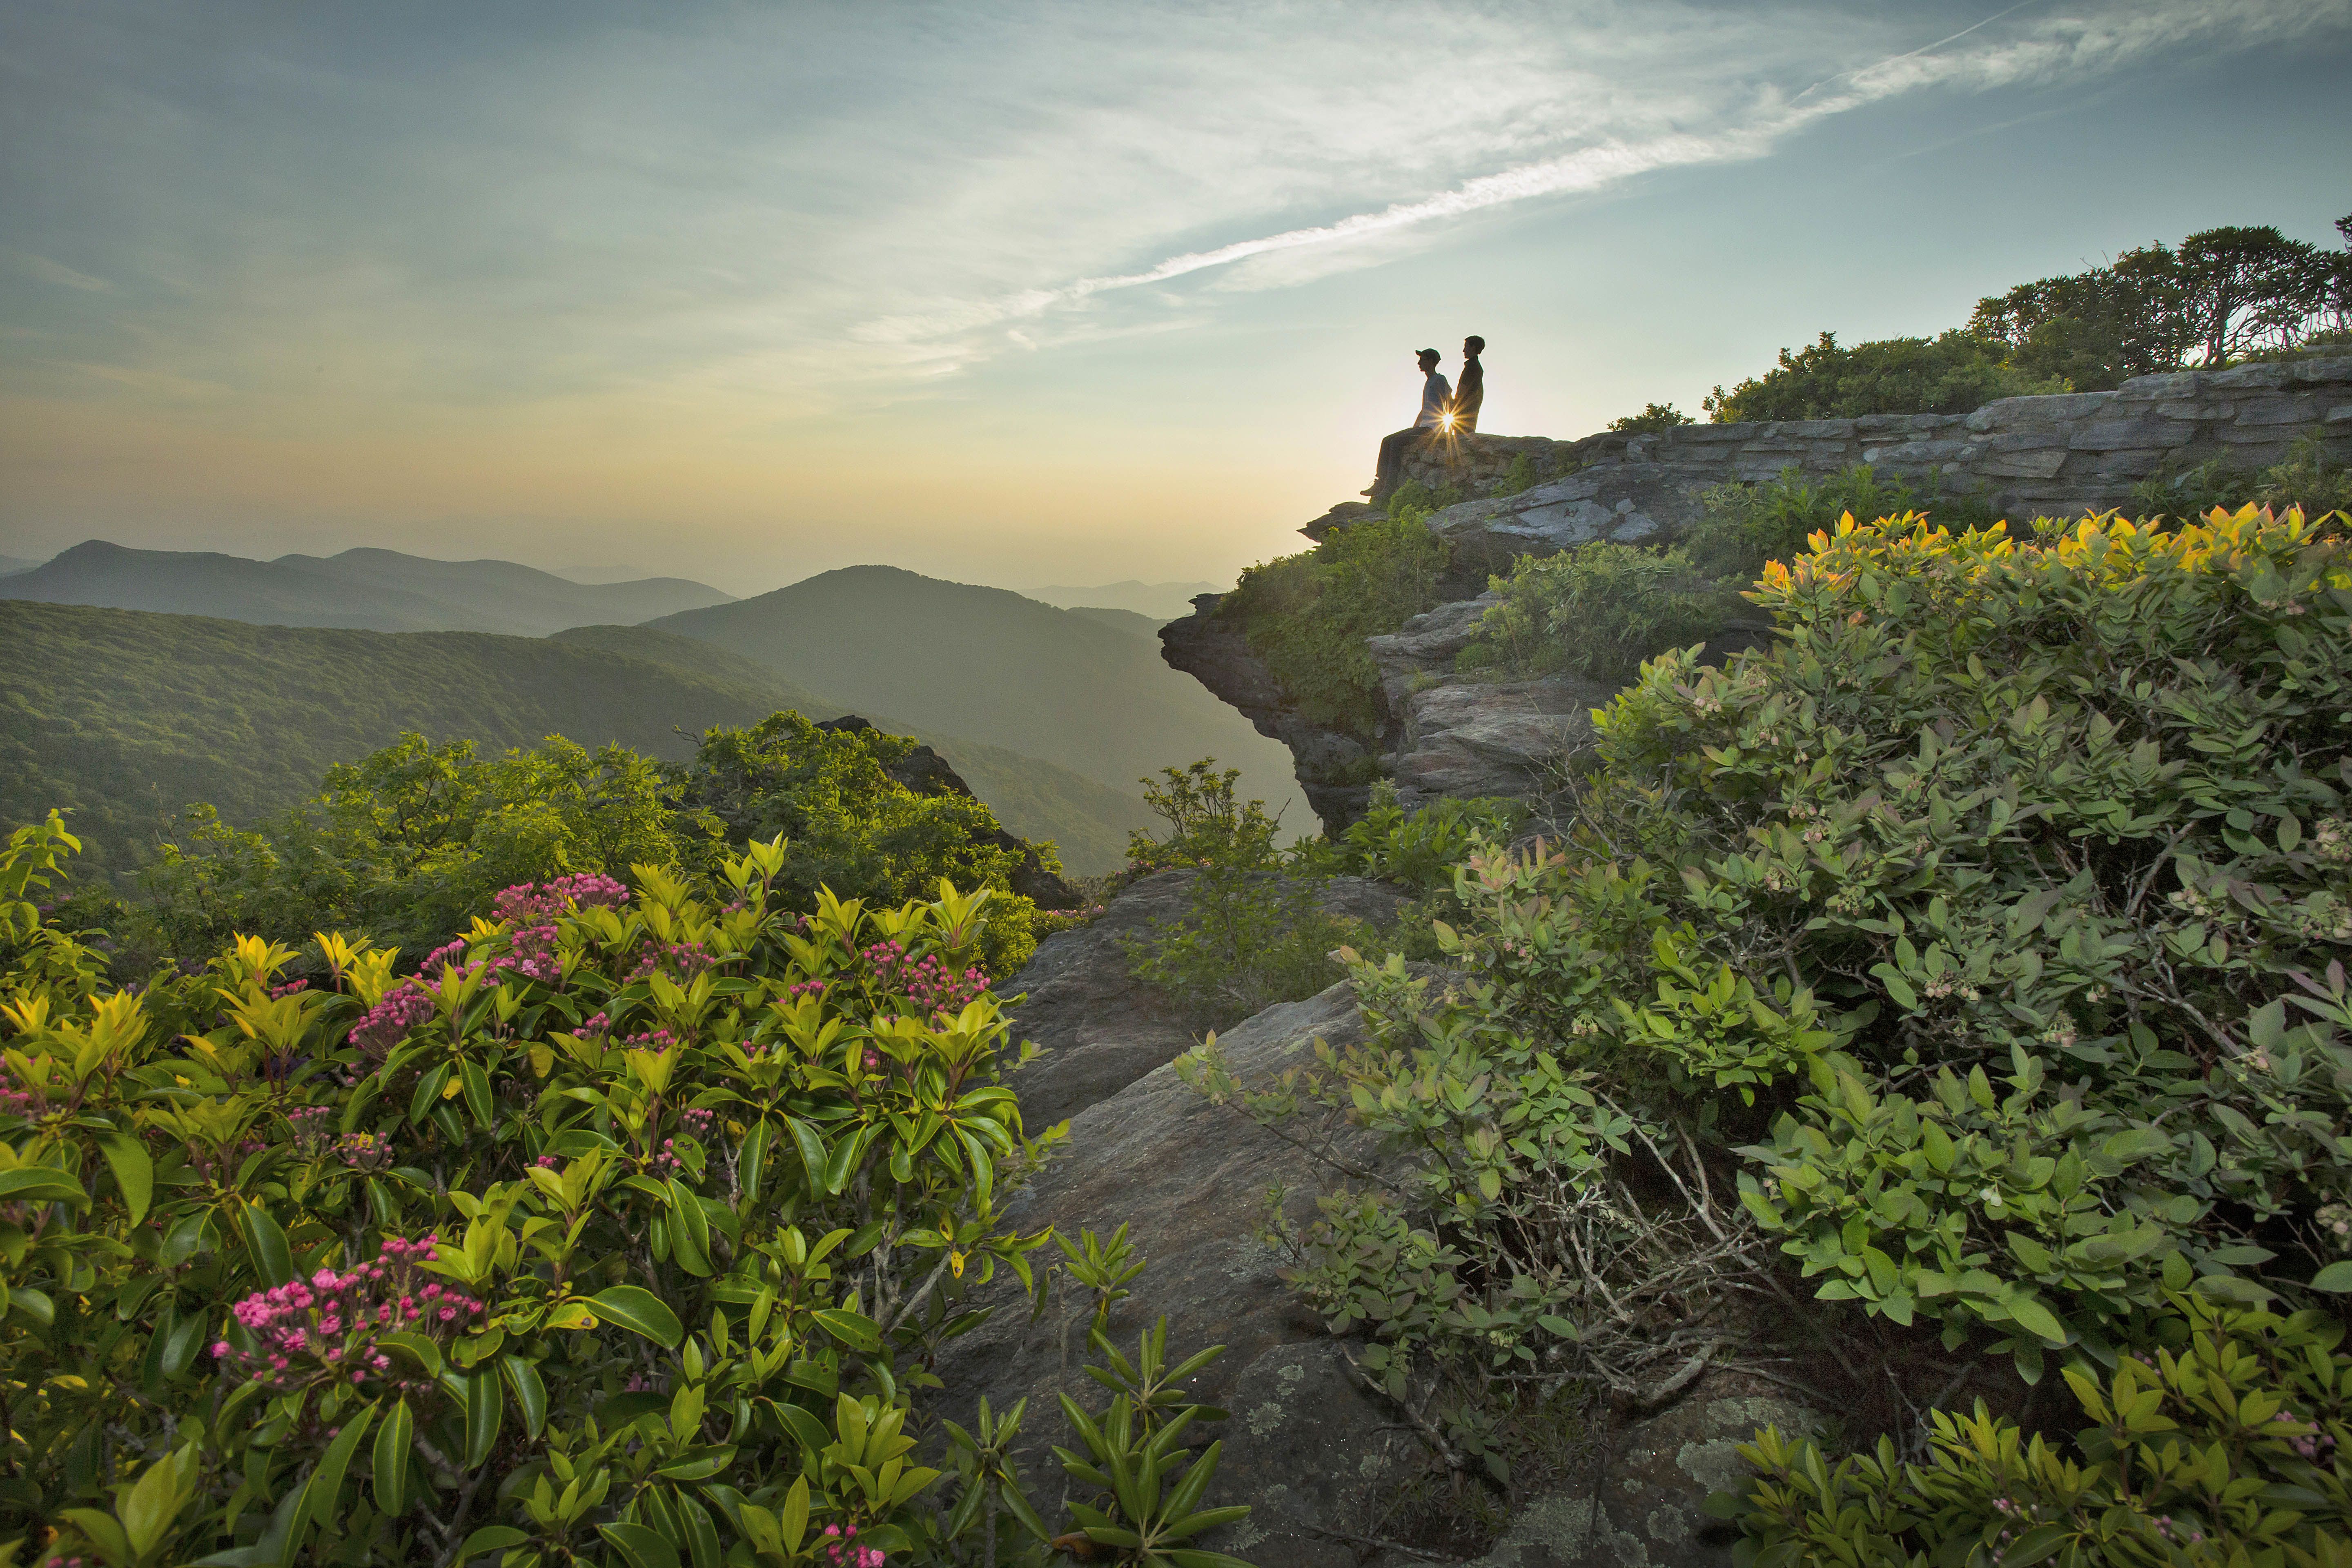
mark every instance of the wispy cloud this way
{"type": "Point", "coordinates": [1990, 53]}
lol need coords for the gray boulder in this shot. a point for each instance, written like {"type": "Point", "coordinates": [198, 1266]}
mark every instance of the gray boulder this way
{"type": "Point", "coordinates": [1479, 737]}
{"type": "Point", "coordinates": [1315, 1457]}
{"type": "Point", "coordinates": [1303, 1445]}
{"type": "Point", "coordinates": [1101, 1027]}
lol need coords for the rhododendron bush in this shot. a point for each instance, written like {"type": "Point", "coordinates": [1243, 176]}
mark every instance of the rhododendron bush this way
{"type": "Point", "coordinates": [619, 1231]}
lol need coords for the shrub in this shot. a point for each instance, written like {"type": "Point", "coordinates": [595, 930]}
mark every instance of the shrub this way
{"type": "Point", "coordinates": [1524, 473]}
{"type": "Point", "coordinates": [404, 843]}
{"type": "Point", "coordinates": [1744, 526]}
{"type": "Point", "coordinates": [1653, 417]}
{"type": "Point", "coordinates": [1984, 934]}
{"type": "Point", "coordinates": [1420, 848]}
{"type": "Point", "coordinates": [1307, 615]}
{"type": "Point", "coordinates": [1597, 609]}
{"type": "Point", "coordinates": [1955, 373]}
{"type": "Point", "coordinates": [622, 1233]}
{"type": "Point", "coordinates": [2308, 481]}
{"type": "Point", "coordinates": [2226, 1444]}
{"type": "Point", "coordinates": [1254, 932]}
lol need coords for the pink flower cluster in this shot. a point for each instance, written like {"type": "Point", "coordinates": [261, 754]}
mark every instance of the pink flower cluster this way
{"type": "Point", "coordinates": [2312, 1445]}
{"type": "Point", "coordinates": [364, 1150]}
{"type": "Point", "coordinates": [310, 1124]}
{"type": "Point", "coordinates": [807, 988]}
{"type": "Point", "coordinates": [324, 1328]}
{"type": "Point", "coordinates": [278, 993]}
{"type": "Point", "coordinates": [440, 958]}
{"type": "Point", "coordinates": [927, 983]}
{"type": "Point", "coordinates": [680, 960]}
{"type": "Point", "coordinates": [842, 1549]}
{"type": "Point", "coordinates": [13, 1101]}
{"type": "Point", "coordinates": [404, 1007]}
{"type": "Point", "coordinates": [530, 953]}
{"type": "Point", "coordinates": [536, 901]}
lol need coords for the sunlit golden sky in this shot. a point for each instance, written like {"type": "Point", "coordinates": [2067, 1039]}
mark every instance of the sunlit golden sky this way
{"type": "Point", "coordinates": [1016, 293]}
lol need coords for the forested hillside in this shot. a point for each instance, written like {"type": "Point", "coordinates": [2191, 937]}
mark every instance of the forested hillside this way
{"type": "Point", "coordinates": [378, 590]}
{"type": "Point", "coordinates": [125, 718]}
{"type": "Point", "coordinates": [965, 660]}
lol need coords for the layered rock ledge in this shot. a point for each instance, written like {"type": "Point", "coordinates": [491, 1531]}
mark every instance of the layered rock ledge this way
{"type": "Point", "coordinates": [1443, 733]}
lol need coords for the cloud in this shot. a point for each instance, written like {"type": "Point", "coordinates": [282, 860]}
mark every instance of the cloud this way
{"type": "Point", "coordinates": [1981, 58]}
{"type": "Point", "coordinates": [49, 271]}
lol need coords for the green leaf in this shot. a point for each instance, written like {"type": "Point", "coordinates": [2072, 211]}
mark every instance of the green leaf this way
{"type": "Point", "coordinates": [418, 1348]}
{"type": "Point", "coordinates": [752, 1163]}
{"type": "Point", "coordinates": [701, 1534]}
{"type": "Point", "coordinates": [635, 1308]}
{"type": "Point", "coordinates": [529, 1392]}
{"type": "Point", "coordinates": [148, 1507]}
{"type": "Point", "coordinates": [854, 1330]}
{"type": "Point", "coordinates": [644, 1547]}
{"type": "Point", "coordinates": [2336, 1278]}
{"type": "Point", "coordinates": [485, 1403]}
{"type": "Point", "coordinates": [843, 1163]}
{"type": "Point", "coordinates": [812, 1149]}
{"type": "Point", "coordinates": [392, 1445]}
{"type": "Point", "coordinates": [103, 1533]}
{"type": "Point", "coordinates": [793, 1522]}
{"type": "Point", "coordinates": [478, 1092]}
{"type": "Point", "coordinates": [488, 1539]}
{"type": "Point", "coordinates": [320, 1496]}
{"type": "Point", "coordinates": [43, 1185]}
{"type": "Point", "coordinates": [2035, 1319]}
{"type": "Point", "coordinates": [134, 1172]}
{"type": "Point", "coordinates": [690, 1235]}
{"type": "Point", "coordinates": [272, 1258]}
{"type": "Point", "coordinates": [429, 1093]}
{"type": "Point", "coordinates": [806, 1428]}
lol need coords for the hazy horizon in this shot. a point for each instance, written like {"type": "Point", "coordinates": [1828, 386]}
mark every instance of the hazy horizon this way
{"type": "Point", "coordinates": [1016, 294]}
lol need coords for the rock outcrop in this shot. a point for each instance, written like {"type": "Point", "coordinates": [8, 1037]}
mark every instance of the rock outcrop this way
{"type": "Point", "coordinates": [1316, 1457]}
{"type": "Point", "coordinates": [1444, 733]}
{"type": "Point", "coordinates": [2057, 456]}
{"type": "Point", "coordinates": [1334, 769]}
{"type": "Point", "coordinates": [1101, 1027]}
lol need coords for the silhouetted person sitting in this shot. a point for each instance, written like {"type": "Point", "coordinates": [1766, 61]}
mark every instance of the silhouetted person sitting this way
{"type": "Point", "coordinates": [1435, 396]}
{"type": "Point", "coordinates": [1471, 390]}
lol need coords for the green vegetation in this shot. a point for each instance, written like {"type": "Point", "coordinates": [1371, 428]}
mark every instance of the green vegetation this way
{"type": "Point", "coordinates": [1254, 932]}
{"type": "Point", "coordinates": [377, 590]}
{"type": "Point", "coordinates": [623, 1234]}
{"type": "Point", "coordinates": [2222, 295]}
{"type": "Point", "coordinates": [1601, 609]}
{"type": "Point", "coordinates": [1596, 609]}
{"type": "Point", "coordinates": [2307, 480]}
{"type": "Point", "coordinates": [954, 660]}
{"type": "Point", "coordinates": [123, 718]}
{"type": "Point", "coordinates": [2225, 295]}
{"type": "Point", "coordinates": [1307, 615]}
{"type": "Point", "coordinates": [1653, 417]}
{"type": "Point", "coordinates": [1952, 374]}
{"type": "Point", "coordinates": [399, 847]}
{"type": "Point", "coordinates": [1968, 961]}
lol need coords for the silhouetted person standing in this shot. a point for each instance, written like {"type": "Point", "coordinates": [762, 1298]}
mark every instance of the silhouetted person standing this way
{"type": "Point", "coordinates": [1435, 397]}
{"type": "Point", "coordinates": [1471, 390]}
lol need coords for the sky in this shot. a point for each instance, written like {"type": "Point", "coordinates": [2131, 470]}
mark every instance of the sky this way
{"type": "Point", "coordinates": [1017, 293]}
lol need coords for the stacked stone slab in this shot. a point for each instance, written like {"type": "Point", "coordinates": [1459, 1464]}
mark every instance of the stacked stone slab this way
{"type": "Point", "coordinates": [1446, 734]}
{"type": "Point", "coordinates": [2077, 452]}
